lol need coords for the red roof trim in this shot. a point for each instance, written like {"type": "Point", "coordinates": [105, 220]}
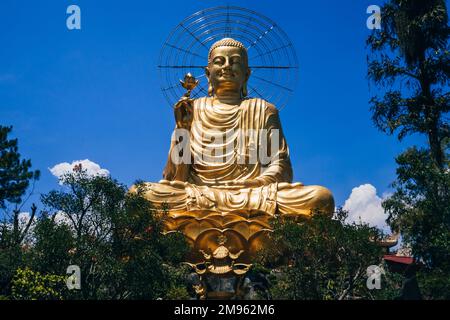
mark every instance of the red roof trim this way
{"type": "Point", "coordinates": [399, 259]}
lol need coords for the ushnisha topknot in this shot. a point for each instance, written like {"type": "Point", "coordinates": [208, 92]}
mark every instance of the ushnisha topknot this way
{"type": "Point", "coordinates": [226, 42]}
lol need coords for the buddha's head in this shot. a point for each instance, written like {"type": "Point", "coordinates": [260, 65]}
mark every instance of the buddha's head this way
{"type": "Point", "coordinates": [227, 69]}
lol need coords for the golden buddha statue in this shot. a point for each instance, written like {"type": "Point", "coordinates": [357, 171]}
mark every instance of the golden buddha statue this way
{"type": "Point", "coordinates": [223, 187]}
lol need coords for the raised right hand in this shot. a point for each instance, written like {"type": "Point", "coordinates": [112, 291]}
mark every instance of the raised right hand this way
{"type": "Point", "coordinates": [184, 112]}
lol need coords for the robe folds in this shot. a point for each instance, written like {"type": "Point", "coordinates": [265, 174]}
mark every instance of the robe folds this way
{"type": "Point", "coordinates": [228, 145]}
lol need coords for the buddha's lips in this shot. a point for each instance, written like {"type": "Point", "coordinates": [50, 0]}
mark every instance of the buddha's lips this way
{"type": "Point", "coordinates": [227, 74]}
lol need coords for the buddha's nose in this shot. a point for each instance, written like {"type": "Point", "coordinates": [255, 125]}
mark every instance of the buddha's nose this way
{"type": "Point", "coordinates": [227, 65]}
{"type": "Point", "coordinates": [227, 69]}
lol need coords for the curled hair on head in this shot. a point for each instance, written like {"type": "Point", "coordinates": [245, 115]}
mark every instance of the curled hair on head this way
{"type": "Point", "coordinates": [227, 42]}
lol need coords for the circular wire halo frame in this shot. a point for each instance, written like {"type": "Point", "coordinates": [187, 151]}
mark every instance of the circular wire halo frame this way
{"type": "Point", "coordinates": [272, 58]}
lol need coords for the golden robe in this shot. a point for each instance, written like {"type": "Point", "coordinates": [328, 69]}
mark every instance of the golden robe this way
{"type": "Point", "coordinates": [204, 184]}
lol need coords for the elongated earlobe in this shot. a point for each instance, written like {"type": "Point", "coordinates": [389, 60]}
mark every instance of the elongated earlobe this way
{"type": "Point", "coordinates": [244, 90]}
{"type": "Point", "coordinates": [210, 89]}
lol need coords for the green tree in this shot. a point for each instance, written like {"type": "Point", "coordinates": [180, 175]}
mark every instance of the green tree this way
{"type": "Point", "coordinates": [410, 65]}
{"type": "Point", "coordinates": [420, 209]}
{"type": "Point", "coordinates": [117, 240]}
{"type": "Point", "coordinates": [52, 248]}
{"type": "Point", "coordinates": [15, 173]}
{"type": "Point", "coordinates": [15, 178]}
{"type": "Point", "coordinates": [322, 258]}
{"type": "Point", "coordinates": [410, 60]}
{"type": "Point", "coordinates": [31, 285]}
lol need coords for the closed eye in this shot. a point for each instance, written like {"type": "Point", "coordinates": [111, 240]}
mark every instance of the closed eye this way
{"type": "Point", "coordinates": [219, 60]}
{"type": "Point", "coordinates": [236, 60]}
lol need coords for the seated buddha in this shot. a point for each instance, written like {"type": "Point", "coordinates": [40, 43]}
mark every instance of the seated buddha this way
{"type": "Point", "coordinates": [215, 178]}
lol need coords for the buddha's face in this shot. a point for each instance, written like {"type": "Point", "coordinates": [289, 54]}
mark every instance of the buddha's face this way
{"type": "Point", "coordinates": [228, 69]}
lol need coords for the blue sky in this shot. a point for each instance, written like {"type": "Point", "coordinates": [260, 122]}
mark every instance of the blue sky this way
{"type": "Point", "coordinates": [94, 93]}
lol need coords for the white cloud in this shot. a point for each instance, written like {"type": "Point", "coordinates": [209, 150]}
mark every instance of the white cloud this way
{"type": "Point", "coordinates": [364, 205]}
{"type": "Point", "coordinates": [91, 168]}
{"type": "Point", "coordinates": [23, 219]}
{"type": "Point", "coordinates": [61, 218]}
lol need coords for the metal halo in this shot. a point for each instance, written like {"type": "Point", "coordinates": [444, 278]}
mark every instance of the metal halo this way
{"type": "Point", "coordinates": [272, 56]}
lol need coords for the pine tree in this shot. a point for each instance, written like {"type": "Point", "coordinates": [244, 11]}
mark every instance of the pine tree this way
{"type": "Point", "coordinates": [15, 173]}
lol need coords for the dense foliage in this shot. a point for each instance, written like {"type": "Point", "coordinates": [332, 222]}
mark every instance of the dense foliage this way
{"type": "Point", "coordinates": [410, 62]}
{"type": "Point", "coordinates": [116, 239]}
{"type": "Point", "coordinates": [324, 259]}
